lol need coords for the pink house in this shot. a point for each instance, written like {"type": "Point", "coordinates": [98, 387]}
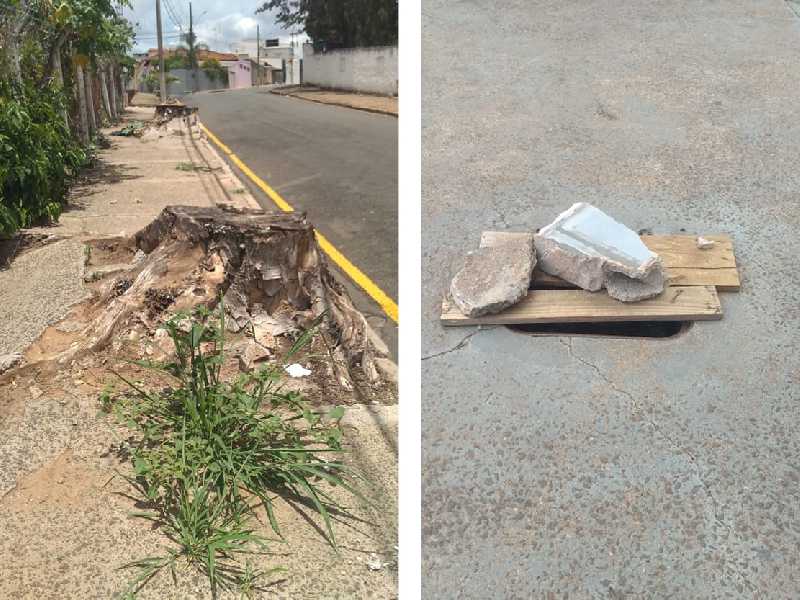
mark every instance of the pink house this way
{"type": "Point", "coordinates": [239, 73]}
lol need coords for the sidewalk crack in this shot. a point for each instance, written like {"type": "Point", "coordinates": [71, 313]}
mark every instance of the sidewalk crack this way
{"type": "Point", "coordinates": [464, 341]}
{"type": "Point", "coordinates": [670, 441]}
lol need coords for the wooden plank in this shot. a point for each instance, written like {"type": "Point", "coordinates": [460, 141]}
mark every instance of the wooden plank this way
{"type": "Point", "coordinates": [725, 280]}
{"type": "Point", "coordinates": [676, 303]}
{"type": "Point", "coordinates": [685, 263]}
{"type": "Point", "coordinates": [682, 251]}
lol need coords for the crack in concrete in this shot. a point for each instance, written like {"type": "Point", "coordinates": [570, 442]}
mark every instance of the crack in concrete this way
{"type": "Point", "coordinates": [464, 341]}
{"type": "Point", "coordinates": [656, 428]}
{"type": "Point", "coordinates": [709, 493]}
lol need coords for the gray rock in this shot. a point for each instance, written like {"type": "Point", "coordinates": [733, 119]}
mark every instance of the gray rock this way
{"type": "Point", "coordinates": [494, 277]}
{"type": "Point", "coordinates": [585, 246]}
{"type": "Point", "coordinates": [251, 355]}
{"type": "Point", "coordinates": [626, 289]}
{"type": "Point", "coordinates": [9, 361]}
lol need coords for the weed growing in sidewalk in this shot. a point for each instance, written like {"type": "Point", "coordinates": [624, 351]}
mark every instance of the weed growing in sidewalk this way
{"type": "Point", "coordinates": [210, 451]}
{"type": "Point", "coordinates": [187, 166]}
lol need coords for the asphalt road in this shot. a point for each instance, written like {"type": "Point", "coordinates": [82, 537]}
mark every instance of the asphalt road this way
{"type": "Point", "coordinates": [588, 467]}
{"type": "Point", "coordinates": [337, 164]}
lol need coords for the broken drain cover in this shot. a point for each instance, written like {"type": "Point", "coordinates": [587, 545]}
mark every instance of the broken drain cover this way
{"type": "Point", "coordinates": [636, 329]}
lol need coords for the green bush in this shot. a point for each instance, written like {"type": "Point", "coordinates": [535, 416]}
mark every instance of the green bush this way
{"type": "Point", "coordinates": [215, 71]}
{"type": "Point", "coordinates": [38, 156]}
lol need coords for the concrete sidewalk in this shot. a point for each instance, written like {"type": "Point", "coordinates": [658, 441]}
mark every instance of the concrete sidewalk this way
{"type": "Point", "coordinates": [386, 105]}
{"type": "Point", "coordinates": [66, 520]}
{"type": "Point", "coordinates": [588, 467]}
{"type": "Point", "coordinates": [132, 182]}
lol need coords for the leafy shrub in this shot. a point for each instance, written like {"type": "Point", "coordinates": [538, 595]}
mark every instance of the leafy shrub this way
{"type": "Point", "coordinates": [38, 156]}
{"type": "Point", "coordinates": [176, 61]}
{"type": "Point", "coordinates": [153, 84]}
{"type": "Point", "coordinates": [215, 71]}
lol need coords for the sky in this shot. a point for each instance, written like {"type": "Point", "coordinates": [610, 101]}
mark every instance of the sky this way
{"type": "Point", "coordinates": [217, 23]}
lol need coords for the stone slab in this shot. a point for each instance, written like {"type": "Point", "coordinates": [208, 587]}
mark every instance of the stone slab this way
{"type": "Point", "coordinates": [494, 277]}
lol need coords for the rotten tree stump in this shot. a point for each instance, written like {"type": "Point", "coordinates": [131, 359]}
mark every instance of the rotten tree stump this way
{"type": "Point", "coordinates": [258, 262]}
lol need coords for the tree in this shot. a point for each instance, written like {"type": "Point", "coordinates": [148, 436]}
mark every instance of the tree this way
{"type": "Point", "coordinates": [339, 23]}
{"type": "Point", "coordinates": [215, 71]}
{"type": "Point", "coordinates": [50, 52]}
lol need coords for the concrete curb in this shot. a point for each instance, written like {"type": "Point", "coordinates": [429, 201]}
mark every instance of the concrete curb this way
{"type": "Point", "coordinates": [342, 104]}
{"type": "Point", "coordinates": [246, 197]}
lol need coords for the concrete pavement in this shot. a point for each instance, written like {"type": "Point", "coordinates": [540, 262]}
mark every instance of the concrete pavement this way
{"type": "Point", "coordinates": [559, 467]}
{"type": "Point", "coordinates": [337, 164]}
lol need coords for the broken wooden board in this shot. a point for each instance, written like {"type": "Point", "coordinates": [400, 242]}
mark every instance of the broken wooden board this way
{"type": "Point", "coordinates": [676, 303]}
{"type": "Point", "coordinates": [685, 263]}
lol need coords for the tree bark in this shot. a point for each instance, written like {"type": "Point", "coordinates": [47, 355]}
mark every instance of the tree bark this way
{"type": "Point", "coordinates": [112, 89]}
{"type": "Point", "coordinates": [20, 22]}
{"type": "Point", "coordinates": [90, 102]}
{"type": "Point", "coordinates": [123, 92]}
{"type": "Point", "coordinates": [53, 67]}
{"type": "Point", "coordinates": [58, 73]}
{"type": "Point", "coordinates": [82, 111]}
{"type": "Point", "coordinates": [104, 93]}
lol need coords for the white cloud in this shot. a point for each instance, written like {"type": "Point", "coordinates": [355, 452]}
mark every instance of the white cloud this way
{"type": "Point", "coordinates": [216, 23]}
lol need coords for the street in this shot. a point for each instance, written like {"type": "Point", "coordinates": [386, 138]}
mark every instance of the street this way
{"type": "Point", "coordinates": [337, 164]}
{"type": "Point", "coordinates": [588, 466]}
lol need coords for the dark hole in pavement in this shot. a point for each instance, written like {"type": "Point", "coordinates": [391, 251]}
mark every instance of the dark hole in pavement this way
{"type": "Point", "coordinates": [638, 329]}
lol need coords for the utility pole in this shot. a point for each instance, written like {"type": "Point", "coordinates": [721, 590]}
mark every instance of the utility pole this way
{"type": "Point", "coordinates": [162, 75]}
{"type": "Point", "coordinates": [258, 54]}
{"type": "Point", "coordinates": [192, 61]}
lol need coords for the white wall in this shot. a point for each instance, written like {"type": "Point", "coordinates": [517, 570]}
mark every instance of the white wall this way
{"type": "Point", "coordinates": [371, 70]}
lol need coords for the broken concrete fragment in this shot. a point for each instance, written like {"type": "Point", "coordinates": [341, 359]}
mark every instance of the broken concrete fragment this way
{"type": "Point", "coordinates": [584, 246]}
{"type": "Point", "coordinates": [705, 244]}
{"type": "Point", "coordinates": [251, 356]}
{"type": "Point", "coordinates": [8, 361]}
{"type": "Point", "coordinates": [495, 277]}
{"type": "Point", "coordinates": [627, 289]}
{"type": "Point", "coordinates": [104, 271]}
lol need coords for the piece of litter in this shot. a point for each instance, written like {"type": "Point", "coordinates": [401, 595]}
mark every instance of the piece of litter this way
{"type": "Point", "coordinates": [374, 563]}
{"type": "Point", "coordinates": [296, 370]}
{"type": "Point", "coordinates": [705, 244]}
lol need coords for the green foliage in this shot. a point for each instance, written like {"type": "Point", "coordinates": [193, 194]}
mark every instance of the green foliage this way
{"type": "Point", "coordinates": [153, 84]}
{"type": "Point", "coordinates": [95, 26]}
{"type": "Point", "coordinates": [209, 448]}
{"type": "Point", "coordinates": [176, 61]}
{"type": "Point", "coordinates": [214, 70]}
{"type": "Point", "coordinates": [38, 156]}
{"type": "Point", "coordinates": [38, 153]}
{"type": "Point", "coordinates": [339, 23]}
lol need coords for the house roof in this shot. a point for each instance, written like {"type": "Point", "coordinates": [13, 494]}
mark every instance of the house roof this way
{"type": "Point", "coordinates": [202, 54]}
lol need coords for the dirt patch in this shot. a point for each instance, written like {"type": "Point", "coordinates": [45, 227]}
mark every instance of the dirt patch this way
{"type": "Point", "coordinates": [62, 482]}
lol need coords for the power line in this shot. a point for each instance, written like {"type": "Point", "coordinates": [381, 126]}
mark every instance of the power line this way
{"type": "Point", "coordinates": [171, 13]}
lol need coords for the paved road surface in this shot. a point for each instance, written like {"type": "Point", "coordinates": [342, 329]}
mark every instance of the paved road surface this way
{"type": "Point", "coordinates": [337, 164]}
{"type": "Point", "coordinates": [590, 467]}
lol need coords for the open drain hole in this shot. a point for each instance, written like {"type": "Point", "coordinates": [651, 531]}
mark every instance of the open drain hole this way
{"type": "Point", "coordinates": [635, 329]}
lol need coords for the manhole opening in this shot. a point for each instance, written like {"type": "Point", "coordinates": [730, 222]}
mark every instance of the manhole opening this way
{"type": "Point", "coordinates": [637, 329]}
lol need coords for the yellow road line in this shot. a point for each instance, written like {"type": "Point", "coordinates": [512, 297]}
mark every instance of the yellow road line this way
{"type": "Point", "coordinates": [388, 305]}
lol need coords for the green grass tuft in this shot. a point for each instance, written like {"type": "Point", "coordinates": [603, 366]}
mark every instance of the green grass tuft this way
{"type": "Point", "coordinates": [210, 451]}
